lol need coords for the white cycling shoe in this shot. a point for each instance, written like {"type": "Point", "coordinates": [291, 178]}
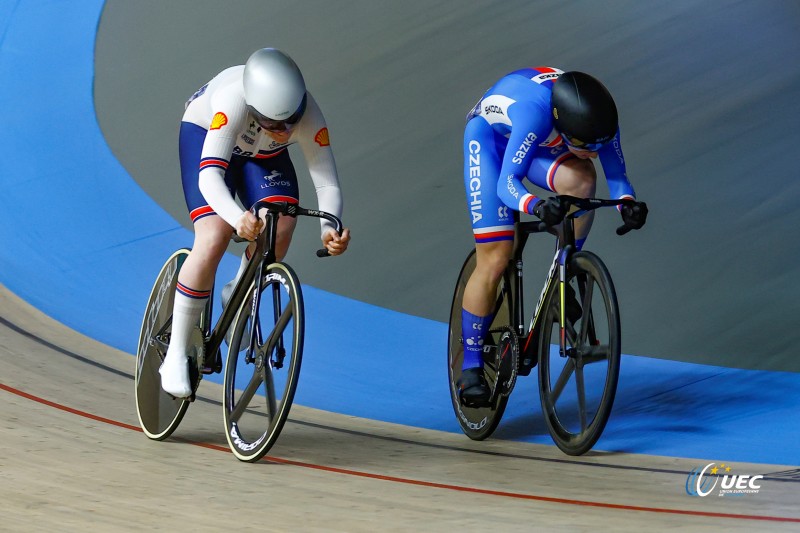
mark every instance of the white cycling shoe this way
{"type": "Point", "coordinates": [175, 375]}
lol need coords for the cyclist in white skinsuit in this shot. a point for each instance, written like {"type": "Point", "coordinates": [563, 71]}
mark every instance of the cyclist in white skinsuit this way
{"type": "Point", "coordinates": [233, 140]}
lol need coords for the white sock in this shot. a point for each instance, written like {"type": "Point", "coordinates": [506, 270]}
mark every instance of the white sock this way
{"type": "Point", "coordinates": [189, 305]}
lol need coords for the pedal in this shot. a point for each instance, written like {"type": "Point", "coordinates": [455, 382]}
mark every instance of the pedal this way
{"type": "Point", "coordinates": [526, 364]}
{"type": "Point", "coordinates": [216, 365]}
{"type": "Point", "coordinates": [161, 344]}
{"type": "Point", "coordinates": [529, 359]}
{"type": "Point", "coordinates": [280, 355]}
{"type": "Point", "coordinates": [506, 362]}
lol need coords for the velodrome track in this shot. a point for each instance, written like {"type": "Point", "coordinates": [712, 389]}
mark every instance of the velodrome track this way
{"type": "Point", "coordinates": [74, 459]}
{"type": "Point", "coordinates": [73, 456]}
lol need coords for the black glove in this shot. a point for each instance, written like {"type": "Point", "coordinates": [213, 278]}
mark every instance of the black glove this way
{"type": "Point", "coordinates": [634, 216]}
{"type": "Point", "coordinates": [550, 211]}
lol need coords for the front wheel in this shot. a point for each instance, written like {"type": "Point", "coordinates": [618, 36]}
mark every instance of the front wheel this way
{"type": "Point", "coordinates": [577, 387]}
{"type": "Point", "coordinates": [477, 422]}
{"type": "Point", "coordinates": [259, 386]}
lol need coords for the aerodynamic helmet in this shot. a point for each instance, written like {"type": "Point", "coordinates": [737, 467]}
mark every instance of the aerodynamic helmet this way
{"type": "Point", "coordinates": [584, 112]}
{"type": "Point", "coordinates": [274, 89]}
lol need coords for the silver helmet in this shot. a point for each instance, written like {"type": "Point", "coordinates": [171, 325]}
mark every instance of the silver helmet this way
{"type": "Point", "coordinates": [274, 86]}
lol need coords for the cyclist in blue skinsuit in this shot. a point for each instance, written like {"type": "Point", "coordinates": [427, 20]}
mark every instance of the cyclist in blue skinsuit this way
{"type": "Point", "coordinates": [545, 125]}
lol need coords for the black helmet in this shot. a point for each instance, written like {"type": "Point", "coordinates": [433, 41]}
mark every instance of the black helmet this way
{"type": "Point", "coordinates": [583, 110]}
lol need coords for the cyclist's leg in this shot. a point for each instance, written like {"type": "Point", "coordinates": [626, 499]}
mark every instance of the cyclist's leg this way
{"type": "Point", "coordinates": [561, 172]}
{"type": "Point", "coordinates": [478, 309]}
{"type": "Point", "coordinates": [578, 177]}
{"type": "Point", "coordinates": [196, 277]}
{"type": "Point", "coordinates": [195, 281]}
{"type": "Point", "coordinates": [481, 289]}
{"type": "Point", "coordinates": [493, 227]}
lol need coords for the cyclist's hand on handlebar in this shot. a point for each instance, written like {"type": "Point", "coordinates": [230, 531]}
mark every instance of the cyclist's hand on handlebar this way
{"type": "Point", "coordinates": [634, 216]}
{"type": "Point", "coordinates": [249, 226]}
{"type": "Point", "coordinates": [336, 244]}
{"type": "Point", "coordinates": [550, 211]}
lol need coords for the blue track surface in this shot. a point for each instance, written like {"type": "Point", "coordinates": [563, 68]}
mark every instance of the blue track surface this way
{"type": "Point", "coordinates": [82, 242]}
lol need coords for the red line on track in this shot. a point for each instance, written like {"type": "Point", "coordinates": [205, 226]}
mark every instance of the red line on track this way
{"type": "Point", "coordinates": [473, 490]}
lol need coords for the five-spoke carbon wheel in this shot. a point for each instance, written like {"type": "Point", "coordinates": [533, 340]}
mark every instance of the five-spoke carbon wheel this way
{"type": "Point", "coordinates": [577, 387]}
{"type": "Point", "coordinates": [259, 385]}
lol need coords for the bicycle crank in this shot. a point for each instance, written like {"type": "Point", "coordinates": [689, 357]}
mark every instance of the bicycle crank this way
{"type": "Point", "coordinates": [506, 362]}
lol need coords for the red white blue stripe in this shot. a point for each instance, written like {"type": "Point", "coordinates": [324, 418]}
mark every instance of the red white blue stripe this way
{"type": "Point", "coordinates": [494, 233]}
{"type": "Point", "coordinates": [213, 162]}
{"type": "Point", "coordinates": [526, 203]}
{"type": "Point", "coordinates": [281, 198]}
{"type": "Point", "coordinates": [200, 212]}
{"type": "Point", "coordinates": [264, 154]}
{"type": "Point", "coordinates": [191, 293]}
{"type": "Point", "coordinates": [551, 172]}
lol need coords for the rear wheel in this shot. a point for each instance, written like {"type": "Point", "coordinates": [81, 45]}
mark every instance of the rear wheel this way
{"type": "Point", "coordinates": [159, 413]}
{"type": "Point", "coordinates": [577, 388]}
{"type": "Point", "coordinates": [259, 387]}
{"type": "Point", "coordinates": [477, 422]}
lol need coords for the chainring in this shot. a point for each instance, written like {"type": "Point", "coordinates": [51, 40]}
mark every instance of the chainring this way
{"type": "Point", "coordinates": [506, 361]}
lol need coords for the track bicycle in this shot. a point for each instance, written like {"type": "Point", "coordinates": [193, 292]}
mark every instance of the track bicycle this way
{"type": "Point", "coordinates": [263, 362]}
{"type": "Point", "coordinates": [573, 337]}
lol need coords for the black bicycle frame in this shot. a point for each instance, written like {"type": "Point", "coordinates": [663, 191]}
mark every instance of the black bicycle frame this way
{"type": "Point", "coordinates": [263, 256]}
{"type": "Point", "coordinates": [565, 247]}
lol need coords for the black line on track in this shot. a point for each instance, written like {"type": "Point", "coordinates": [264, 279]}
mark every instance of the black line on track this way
{"type": "Point", "coordinates": [788, 476]}
{"type": "Point", "coordinates": [61, 350]}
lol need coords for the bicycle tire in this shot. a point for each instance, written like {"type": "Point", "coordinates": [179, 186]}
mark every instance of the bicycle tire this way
{"type": "Point", "coordinates": [575, 422]}
{"type": "Point", "coordinates": [477, 423]}
{"type": "Point", "coordinates": [256, 406]}
{"type": "Point", "coordinates": [159, 413]}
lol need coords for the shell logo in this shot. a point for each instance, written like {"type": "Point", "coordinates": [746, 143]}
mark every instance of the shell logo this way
{"type": "Point", "coordinates": [218, 121]}
{"type": "Point", "coordinates": [322, 137]}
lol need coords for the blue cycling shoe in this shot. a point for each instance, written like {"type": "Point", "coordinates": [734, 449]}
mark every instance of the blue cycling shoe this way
{"type": "Point", "coordinates": [472, 388]}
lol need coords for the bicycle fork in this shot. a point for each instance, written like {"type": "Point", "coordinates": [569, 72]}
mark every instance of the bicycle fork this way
{"type": "Point", "coordinates": [280, 352]}
{"type": "Point", "coordinates": [557, 274]}
{"type": "Point", "coordinates": [252, 342]}
{"type": "Point", "coordinates": [275, 340]}
{"type": "Point", "coordinates": [565, 254]}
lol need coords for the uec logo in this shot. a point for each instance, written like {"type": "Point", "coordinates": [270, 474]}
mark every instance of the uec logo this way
{"type": "Point", "coordinates": [698, 485]}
